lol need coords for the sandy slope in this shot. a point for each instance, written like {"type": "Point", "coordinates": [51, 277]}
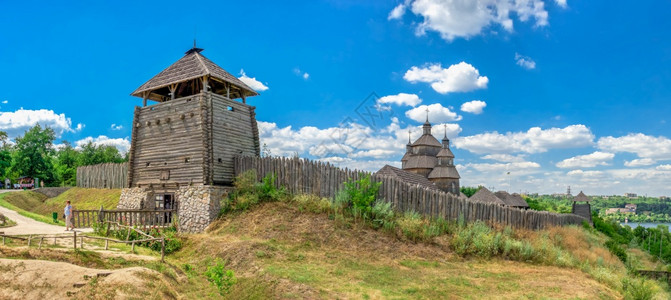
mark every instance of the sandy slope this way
{"type": "Point", "coordinates": [38, 279]}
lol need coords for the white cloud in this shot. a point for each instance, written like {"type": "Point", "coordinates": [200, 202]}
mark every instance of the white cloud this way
{"type": "Point", "coordinates": [5, 101]}
{"type": "Point", "coordinates": [461, 77]}
{"type": "Point", "coordinates": [586, 174]}
{"type": "Point", "coordinates": [640, 162]}
{"type": "Point", "coordinates": [350, 144]}
{"type": "Point", "coordinates": [18, 122]}
{"type": "Point", "coordinates": [80, 127]}
{"type": "Point", "coordinates": [523, 166]}
{"type": "Point", "coordinates": [397, 12]}
{"type": "Point", "coordinates": [525, 61]}
{"type": "Point", "coordinates": [437, 113]}
{"type": "Point", "coordinates": [645, 146]}
{"type": "Point", "coordinates": [116, 127]}
{"type": "Point", "coordinates": [504, 157]}
{"type": "Point", "coordinates": [401, 99]}
{"type": "Point", "coordinates": [457, 18]}
{"type": "Point", "coordinates": [252, 82]}
{"type": "Point", "coordinates": [663, 168]}
{"type": "Point", "coordinates": [123, 144]}
{"type": "Point", "coordinates": [474, 107]}
{"type": "Point", "coordinates": [535, 140]}
{"type": "Point", "coordinates": [301, 74]}
{"type": "Point", "coordinates": [561, 3]}
{"type": "Point", "coordinates": [587, 161]}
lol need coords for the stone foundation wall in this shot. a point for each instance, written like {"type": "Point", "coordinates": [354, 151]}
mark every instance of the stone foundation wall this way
{"type": "Point", "coordinates": [199, 206]}
{"type": "Point", "coordinates": [135, 198]}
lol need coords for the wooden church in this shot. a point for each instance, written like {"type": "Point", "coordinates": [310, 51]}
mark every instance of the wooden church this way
{"type": "Point", "coordinates": [185, 141]}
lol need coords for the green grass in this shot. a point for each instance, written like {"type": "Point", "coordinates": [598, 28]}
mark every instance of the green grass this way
{"type": "Point", "coordinates": [80, 198]}
{"type": "Point", "coordinates": [37, 217]}
{"type": "Point", "coordinates": [38, 207]}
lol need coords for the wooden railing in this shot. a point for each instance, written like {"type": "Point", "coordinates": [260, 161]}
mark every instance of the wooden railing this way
{"type": "Point", "coordinates": [33, 239]}
{"type": "Point", "coordinates": [302, 176]}
{"type": "Point", "coordinates": [138, 218]}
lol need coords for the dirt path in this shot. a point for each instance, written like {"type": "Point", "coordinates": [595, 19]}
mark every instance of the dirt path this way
{"type": "Point", "coordinates": [25, 225]}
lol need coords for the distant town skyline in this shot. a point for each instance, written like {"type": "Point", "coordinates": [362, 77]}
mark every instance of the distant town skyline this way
{"type": "Point", "coordinates": [534, 96]}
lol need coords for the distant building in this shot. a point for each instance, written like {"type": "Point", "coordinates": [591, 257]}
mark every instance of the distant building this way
{"type": "Point", "coordinates": [512, 200]}
{"type": "Point", "coordinates": [430, 159]}
{"type": "Point", "coordinates": [630, 208]}
{"type": "Point", "coordinates": [630, 195]}
{"type": "Point", "coordinates": [664, 198]}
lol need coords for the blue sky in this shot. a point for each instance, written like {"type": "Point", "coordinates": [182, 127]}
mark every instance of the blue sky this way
{"type": "Point", "coordinates": [555, 92]}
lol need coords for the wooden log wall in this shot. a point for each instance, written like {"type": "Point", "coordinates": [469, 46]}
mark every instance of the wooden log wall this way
{"type": "Point", "coordinates": [233, 132]}
{"type": "Point", "coordinates": [168, 142]}
{"type": "Point", "coordinates": [103, 176]}
{"type": "Point", "coordinates": [324, 180]}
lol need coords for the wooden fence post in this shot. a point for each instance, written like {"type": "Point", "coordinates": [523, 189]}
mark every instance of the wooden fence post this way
{"type": "Point", "coordinates": [74, 241]}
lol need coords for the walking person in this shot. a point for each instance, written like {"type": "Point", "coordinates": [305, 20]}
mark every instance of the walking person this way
{"type": "Point", "coordinates": [67, 212]}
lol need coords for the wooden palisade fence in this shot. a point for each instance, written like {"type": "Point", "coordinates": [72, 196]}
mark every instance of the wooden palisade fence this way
{"type": "Point", "coordinates": [135, 218]}
{"type": "Point", "coordinates": [101, 176]}
{"type": "Point", "coordinates": [322, 179]}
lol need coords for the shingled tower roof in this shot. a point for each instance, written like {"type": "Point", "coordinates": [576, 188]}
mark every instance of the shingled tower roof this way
{"type": "Point", "coordinates": [581, 197]}
{"type": "Point", "coordinates": [185, 77]}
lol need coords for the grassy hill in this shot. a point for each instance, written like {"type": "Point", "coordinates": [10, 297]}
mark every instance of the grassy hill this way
{"type": "Point", "coordinates": [37, 206]}
{"type": "Point", "coordinates": [297, 247]}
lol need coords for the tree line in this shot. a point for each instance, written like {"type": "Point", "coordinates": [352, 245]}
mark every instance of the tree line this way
{"type": "Point", "coordinates": [34, 155]}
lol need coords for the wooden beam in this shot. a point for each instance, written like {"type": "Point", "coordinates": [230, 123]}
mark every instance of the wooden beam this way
{"type": "Point", "coordinates": [172, 88]}
{"type": "Point", "coordinates": [145, 95]}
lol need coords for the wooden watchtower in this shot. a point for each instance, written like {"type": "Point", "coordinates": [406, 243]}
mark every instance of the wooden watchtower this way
{"type": "Point", "coordinates": [583, 209]}
{"type": "Point", "coordinates": [195, 128]}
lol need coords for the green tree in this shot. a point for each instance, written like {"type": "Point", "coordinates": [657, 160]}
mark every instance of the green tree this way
{"type": "Point", "coordinates": [470, 191]}
{"type": "Point", "coordinates": [92, 154]}
{"type": "Point", "coordinates": [5, 156]}
{"type": "Point", "coordinates": [65, 165]}
{"type": "Point", "coordinates": [32, 155]}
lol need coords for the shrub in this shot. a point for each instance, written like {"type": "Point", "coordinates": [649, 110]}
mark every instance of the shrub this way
{"type": "Point", "coordinates": [245, 183]}
{"type": "Point", "coordinates": [477, 239]}
{"type": "Point", "coordinates": [341, 201]}
{"type": "Point", "coordinates": [383, 215]}
{"type": "Point", "coordinates": [411, 225]}
{"type": "Point", "coordinates": [615, 249]}
{"type": "Point", "coordinates": [312, 203]}
{"type": "Point", "coordinates": [362, 195]}
{"type": "Point", "coordinates": [268, 191]}
{"type": "Point", "coordinates": [637, 289]}
{"type": "Point", "coordinates": [220, 277]}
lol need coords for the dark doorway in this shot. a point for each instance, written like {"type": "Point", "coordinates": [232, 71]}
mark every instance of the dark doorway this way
{"type": "Point", "coordinates": [165, 202]}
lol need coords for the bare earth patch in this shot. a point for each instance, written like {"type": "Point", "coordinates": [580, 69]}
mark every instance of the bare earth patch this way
{"type": "Point", "coordinates": [39, 279]}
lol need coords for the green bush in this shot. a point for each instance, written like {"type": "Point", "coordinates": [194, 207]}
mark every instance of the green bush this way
{"type": "Point", "coordinates": [638, 289]}
{"type": "Point", "coordinates": [341, 201]}
{"type": "Point", "coordinates": [362, 195]}
{"type": "Point", "coordinates": [411, 225]}
{"type": "Point", "coordinates": [220, 277]}
{"type": "Point", "coordinates": [615, 249]}
{"type": "Point", "coordinates": [383, 215]}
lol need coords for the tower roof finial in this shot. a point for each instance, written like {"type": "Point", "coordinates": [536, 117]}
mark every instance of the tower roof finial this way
{"type": "Point", "coordinates": [409, 136]}
{"type": "Point", "coordinates": [427, 114]}
{"type": "Point", "coordinates": [445, 126]}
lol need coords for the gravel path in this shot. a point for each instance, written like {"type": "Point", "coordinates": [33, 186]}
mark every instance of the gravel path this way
{"type": "Point", "coordinates": [25, 225]}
